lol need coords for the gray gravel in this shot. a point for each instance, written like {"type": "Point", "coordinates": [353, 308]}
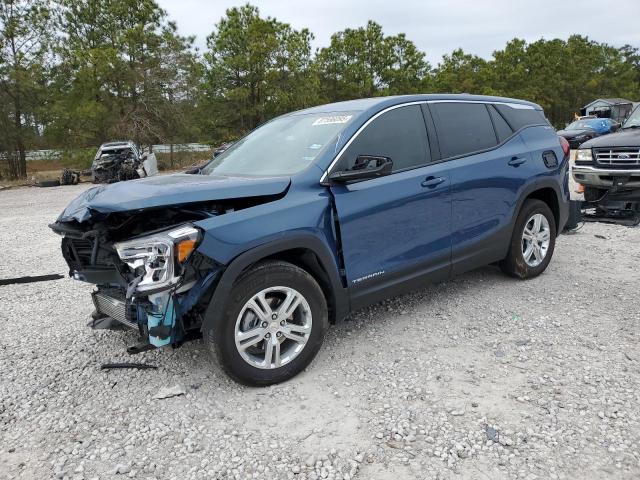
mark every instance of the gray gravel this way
{"type": "Point", "coordinates": [480, 377]}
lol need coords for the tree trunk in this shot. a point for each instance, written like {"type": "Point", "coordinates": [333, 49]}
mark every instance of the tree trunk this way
{"type": "Point", "coordinates": [21, 167]}
{"type": "Point", "coordinates": [12, 161]}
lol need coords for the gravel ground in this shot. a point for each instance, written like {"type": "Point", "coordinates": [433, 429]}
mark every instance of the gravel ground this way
{"type": "Point", "coordinates": [480, 377]}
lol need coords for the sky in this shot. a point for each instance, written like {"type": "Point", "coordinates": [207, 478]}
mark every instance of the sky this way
{"type": "Point", "coordinates": [437, 27]}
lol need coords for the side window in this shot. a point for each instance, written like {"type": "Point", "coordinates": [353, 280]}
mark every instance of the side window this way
{"type": "Point", "coordinates": [521, 117]}
{"type": "Point", "coordinates": [503, 130]}
{"type": "Point", "coordinates": [399, 134]}
{"type": "Point", "coordinates": [463, 128]}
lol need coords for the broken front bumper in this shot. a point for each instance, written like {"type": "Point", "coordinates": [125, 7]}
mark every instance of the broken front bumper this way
{"type": "Point", "coordinates": [162, 295]}
{"type": "Point", "coordinates": [605, 178]}
{"type": "Point", "coordinates": [162, 318]}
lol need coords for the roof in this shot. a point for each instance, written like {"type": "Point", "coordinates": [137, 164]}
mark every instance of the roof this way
{"type": "Point", "coordinates": [117, 143]}
{"type": "Point", "coordinates": [382, 102]}
{"type": "Point", "coordinates": [610, 101]}
{"type": "Point", "coordinates": [593, 120]}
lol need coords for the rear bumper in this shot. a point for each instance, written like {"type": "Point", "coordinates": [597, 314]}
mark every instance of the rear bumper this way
{"type": "Point", "coordinates": [605, 178]}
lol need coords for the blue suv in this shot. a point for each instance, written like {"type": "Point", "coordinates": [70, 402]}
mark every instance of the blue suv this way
{"type": "Point", "coordinates": [315, 214]}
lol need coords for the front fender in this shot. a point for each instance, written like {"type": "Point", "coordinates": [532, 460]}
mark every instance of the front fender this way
{"type": "Point", "coordinates": [239, 239]}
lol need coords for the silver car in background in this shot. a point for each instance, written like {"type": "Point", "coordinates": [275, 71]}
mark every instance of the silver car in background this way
{"type": "Point", "coordinates": [121, 161]}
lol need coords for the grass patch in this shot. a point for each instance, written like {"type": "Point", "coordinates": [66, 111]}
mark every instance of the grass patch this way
{"type": "Point", "coordinates": [78, 159]}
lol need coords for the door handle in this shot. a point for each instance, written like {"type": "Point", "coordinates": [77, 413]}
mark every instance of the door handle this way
{"type": "Point", "coordinates": [517, 161]}
{"type": "Point", "coordinates": [431, 182]}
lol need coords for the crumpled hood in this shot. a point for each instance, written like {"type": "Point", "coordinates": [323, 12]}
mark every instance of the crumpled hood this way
{"type": "Point", "coordinates": [164, 190]}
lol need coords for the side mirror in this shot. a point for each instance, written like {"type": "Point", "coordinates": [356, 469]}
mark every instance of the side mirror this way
{"type": "Point", "coordinates": [366, 166]}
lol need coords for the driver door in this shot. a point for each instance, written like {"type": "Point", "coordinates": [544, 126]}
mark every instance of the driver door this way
{"type": "Point", "coordinates": [395, 230]}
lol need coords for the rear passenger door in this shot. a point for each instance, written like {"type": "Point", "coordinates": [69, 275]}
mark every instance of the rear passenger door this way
{"type": "Point", "coordinates": [395, 230]}
{"type": "Point", "coordinates": [489, 166]}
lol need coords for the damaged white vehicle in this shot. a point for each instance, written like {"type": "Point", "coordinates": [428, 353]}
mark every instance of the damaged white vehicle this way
{"type": "Point", "coordinates": [121, 161]}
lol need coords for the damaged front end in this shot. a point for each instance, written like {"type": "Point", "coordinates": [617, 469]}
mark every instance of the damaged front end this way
{"type": "Point", "coordinates": [156, 283]}
{"type": "Point", "coordinates": [116, 166]}
{"type": "Point", "coordinates": [141, 243]}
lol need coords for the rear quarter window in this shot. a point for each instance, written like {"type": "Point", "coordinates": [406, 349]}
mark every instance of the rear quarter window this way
{"type": "Point", "coordinates": [503, 130]}
{"type": "Point", "coordinates": [521, 117]}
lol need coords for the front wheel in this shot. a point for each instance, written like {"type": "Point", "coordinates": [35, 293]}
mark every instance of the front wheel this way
{"type": "Point", "coordinates": [532, 242]}
{"type": "Point", "coordinates": [273, 324]}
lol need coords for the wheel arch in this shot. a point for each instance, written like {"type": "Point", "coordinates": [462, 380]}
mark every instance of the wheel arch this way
{"type": "Point", "coordinates": [546, 190]}
{"type": "Point", "coordinates": [549, 196]}
{"type": "Point", "coordinates": [305, 251]}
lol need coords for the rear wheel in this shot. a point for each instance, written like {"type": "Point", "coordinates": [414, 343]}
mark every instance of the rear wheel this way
{"type": "Point", "coordinates": [273, 324]}
{"type": "Point", "coordinates": [532, 242]}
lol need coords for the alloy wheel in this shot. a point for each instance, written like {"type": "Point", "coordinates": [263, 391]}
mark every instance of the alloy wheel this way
{"type": "Point", "coordinates": [535, 239]}
{"type": "Point", "coordinates": [273, 327]}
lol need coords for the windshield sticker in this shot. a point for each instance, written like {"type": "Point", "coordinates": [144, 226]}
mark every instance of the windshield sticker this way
{"type": "Point", "coordinates": [332, 119]}
{"type": "Point", "coordinates": [315, 146]}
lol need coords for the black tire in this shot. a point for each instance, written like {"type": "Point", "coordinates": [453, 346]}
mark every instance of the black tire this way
{"type": "Point", "coordinates": [514, 264]}
{"type": "Point", "coordinates": [68, 177]}
{"type": "Point", "coordinates": [221, 337]}
{"type": "Point", "coordinates": [593, 194]}
{"type": "Point", "coordinates": [49, 183]}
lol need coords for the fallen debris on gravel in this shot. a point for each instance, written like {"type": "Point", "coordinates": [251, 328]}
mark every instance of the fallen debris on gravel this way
{"type": "Point", "coordinates": [30, 279]}
{"type": "Point", "coordinates": [169, 392]}
{"type": "Point", "coordinates": [123, 365]}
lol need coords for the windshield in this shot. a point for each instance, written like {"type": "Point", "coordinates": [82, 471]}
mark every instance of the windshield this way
{"type": "Point", "coordinates": [633, 120]}
{"type": "Point", "coordinates": [580, 125]}
{"type": "Point", "coordinates": [283, 146]}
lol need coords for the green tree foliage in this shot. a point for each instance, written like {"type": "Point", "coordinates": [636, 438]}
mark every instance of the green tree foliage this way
{"type": "Point", "coordinates": [461, 73]}
{"type": "Point", "coordinates": [75, 73]}
{"type": "Point", "coordinates": [363, 62]}
{"type": "Point", "coordinates": [24, 41]}
{"type": "Point", "coordinates": [562, 75]}
{"type": "Point", "coordinates": [255, 68]}
{"type": "Point", "coordinates": [125, 73]}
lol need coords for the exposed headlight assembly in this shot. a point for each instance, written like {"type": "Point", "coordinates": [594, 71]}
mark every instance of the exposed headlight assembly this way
{"type": "Point", "coordinates": [157, 258]}
{"type": "Point", "coordinates": [584, 155]}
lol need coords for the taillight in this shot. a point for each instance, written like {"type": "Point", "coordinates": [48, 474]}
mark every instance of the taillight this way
{"type": "Point", "coordinates": [565, 145]}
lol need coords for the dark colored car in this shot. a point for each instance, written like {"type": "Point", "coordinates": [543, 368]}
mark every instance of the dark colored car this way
{"type": "Point", "coordinates": [612, 160]}
{"type": "Point", "coordinates": [580, 131]}
{"type": "Point", "coordinates": [318, 213]}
